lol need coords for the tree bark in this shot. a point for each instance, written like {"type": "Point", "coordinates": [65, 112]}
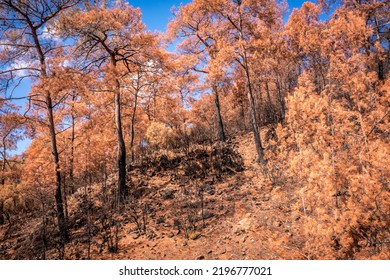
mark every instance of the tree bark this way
{"type": "Point", "coordinates": [220, 127]}
{"type": "Point", "coordinates": [254, 123]}
{"type": "Point", "coordinates": [282, 104]}
{"type": "Point", "coordinates": [2, 221]}
{"type": "Point", "coordinates": [62, 225]}
{"type": "Point", "coordinates": [72, 138]}
{"type": "Point", "coordinates": [3, 164]}
{"type": "Point", "coordinates": [132, 125]}
{"type": "Point", "coordinates": [249, 90]}
{"type": "Point", "coordinates": [121, 156]}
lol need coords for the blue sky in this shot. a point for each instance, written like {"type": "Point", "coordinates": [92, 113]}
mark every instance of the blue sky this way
{"type": "Point", "coordinates": [156, 15]}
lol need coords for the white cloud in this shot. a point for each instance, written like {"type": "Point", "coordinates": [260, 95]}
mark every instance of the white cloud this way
{"type": "Point", "coordinates": [49, 34]}
{"type": "Point", "coordinates": [23, 65]}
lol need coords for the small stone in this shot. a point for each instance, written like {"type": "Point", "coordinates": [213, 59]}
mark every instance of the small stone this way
{"type": "Point", "coordinates": [209, 252]}
{"type": "Point", "coordinates": [200, 258]}
{"type": "Point", "coordinates": [160, 220]}
{"type": "Point", "coordinates": [170, 235]}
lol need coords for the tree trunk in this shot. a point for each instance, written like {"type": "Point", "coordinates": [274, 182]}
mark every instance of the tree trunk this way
{"type": "Point", "coordinates": [132, 125]}
{"type": "Point", "coordinates": [62, 225]}
{"type": "Point", "coordinates": [282, 104]}
{"type": "Point", "coordinates": [254, 124]}
{"type": "Point", "coordinates": [381, 73]}
{"type": "Point", "coordinates": [65, 196]}
{"type": "Point", "coordinates": [268, 95]}
{"type": "Point", "coordinates": [220, 128]}
{"type": "Point", "coordinates": [3, 165]}
{"type": "Point", "coordinates": [2, 221]}
{"type": "Point", "coordinates": [121, 156]}
{"type": "Point", "coordinates": [71, 160]}
{"type": "Point", "coordinates": [58, 195]}
{"type": "Point", "coordinates": [249, 91]}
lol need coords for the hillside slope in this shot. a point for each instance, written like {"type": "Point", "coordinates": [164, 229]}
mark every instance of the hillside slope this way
{"type": "Point", "coordinates": [214, 203]}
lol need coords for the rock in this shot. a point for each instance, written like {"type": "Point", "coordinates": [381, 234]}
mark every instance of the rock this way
{"type": "Point", "coordinates": [176, 223]}
{"type": "Point", "coordinates": [209, 252]}
{"type": "Point", "coordinates": [170, 235]}
{"type": "Point", "coordinates": [135, 236]}
{"type": "Point", "coordinates": [242, 226]}
{"type": "Point", "coordinates": [200, 257]}
{"type": "Point", "coordinates": [277, 223]}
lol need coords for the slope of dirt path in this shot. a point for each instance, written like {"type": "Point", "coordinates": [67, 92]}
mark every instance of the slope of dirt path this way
{"type": "Point", "coordinates": [242, 230]}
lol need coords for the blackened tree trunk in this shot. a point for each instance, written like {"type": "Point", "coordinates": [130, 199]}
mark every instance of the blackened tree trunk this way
{"type": "Point", "coordinates": [254, 123]}
{"type": "Point", "coordinates": [132, 125]}
{"type": "Point", "coordinates": [2, 221]}
{"type": "Point", "coordinates": [3, 164]}
{"type": "Point", "coordinates": [62, 225]}
{"type": "Point", "coordinates": [121, 156]}
{"type": "Point", "coordinates": [243, 61]}
{"type": "Point", "coordinates": [220, 127]}
{"type": "Point", "coordinates": [72, 138]}
{"type": "Point", "coordinates": [282, 103]}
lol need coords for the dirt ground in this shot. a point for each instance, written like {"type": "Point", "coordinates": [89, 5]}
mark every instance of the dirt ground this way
{"type": "Point", "coordinates": [212, 216]}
